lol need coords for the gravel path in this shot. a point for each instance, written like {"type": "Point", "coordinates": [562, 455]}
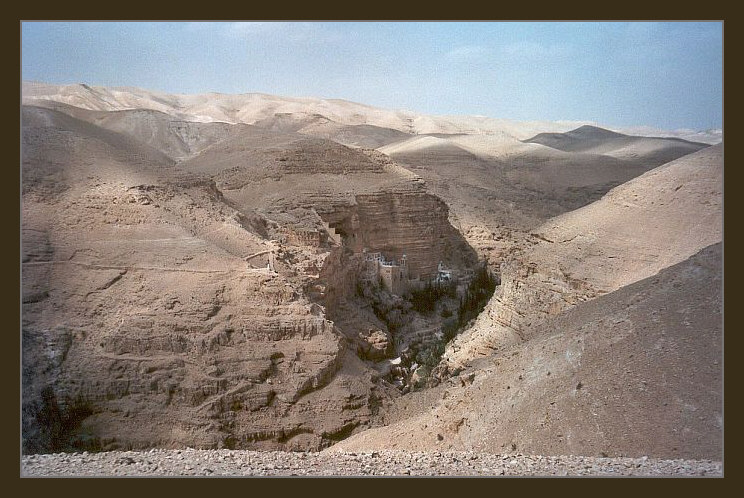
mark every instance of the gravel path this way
{"type": "Point", "coordinates": [191, 462]}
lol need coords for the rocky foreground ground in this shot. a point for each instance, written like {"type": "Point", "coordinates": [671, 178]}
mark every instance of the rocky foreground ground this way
{"type": "Point", "coordinates": [212, 463]}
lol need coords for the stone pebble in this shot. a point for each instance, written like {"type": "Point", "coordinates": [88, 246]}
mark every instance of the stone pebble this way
{"type": "Point", "coordinates": [225, 463]}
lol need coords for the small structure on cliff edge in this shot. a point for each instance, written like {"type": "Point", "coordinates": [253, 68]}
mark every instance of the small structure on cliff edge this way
{"type": "Point", "coordinates": [393, 276]}
{"type": "Point", "coordinates": [444, 275]}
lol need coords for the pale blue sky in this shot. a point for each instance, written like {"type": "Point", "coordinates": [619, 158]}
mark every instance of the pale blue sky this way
{"type": "Point", "coordinates": [667, 75]}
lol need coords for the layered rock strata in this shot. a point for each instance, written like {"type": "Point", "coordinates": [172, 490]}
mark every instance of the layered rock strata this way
{"type": "Point", "coordinates": [190, 304]}
{"type": "Point", "coordinates": [146, 320]}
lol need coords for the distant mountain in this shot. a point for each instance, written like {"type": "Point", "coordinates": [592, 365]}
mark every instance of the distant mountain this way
{"type": "Point", "coordinates": [251, 108]}
{"type": "Point", "coordinates": [595, 140]}
{"type": "Point", "coordinates": [489, 170]}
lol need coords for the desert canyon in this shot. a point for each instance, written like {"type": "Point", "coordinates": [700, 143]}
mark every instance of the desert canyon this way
{"type": "Point", "coordinates": [263, 273]}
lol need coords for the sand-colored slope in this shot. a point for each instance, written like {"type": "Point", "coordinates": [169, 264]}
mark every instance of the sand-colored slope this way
{"type": "Point", "coordinates": [121, 145]}
{"type": "Point", "coordinates": [636, 372]}
{"type": "Point", "coordinates": [642, 226]}
{"type": "Point", "coordinates": [360, 135]}
{"type": "Point", "coordinates": [637, 229]}
{"type": "Point", "coordinates": [593, 140]}
{"type": "Point", "coordinates": [417, 144]}
{"type": "Point", "coordinates": [60, 152]}
{"type": "Point", "coordinates": [101, 198]}
{"type": "Point", "coordinates": [604, 337]}
{"type": "Point", "coordinates": [143, 322]}
{"type": "Point", "coordinates": [255, 154]}
{"type": "Point", "coordinates": [177, 138]}
{"type": "Point", "coordinates": [96, 98]}
{"type": "Point", "coordinates": [503, 182]}
{"type": "Point", "coordinates": [254, 107]}
{"type": "Point", "coordinates": [582, 139]}
{"type": "Point", "coordinates": [375, 203]}
{"type": "Point", "coordinates": [134, 232]}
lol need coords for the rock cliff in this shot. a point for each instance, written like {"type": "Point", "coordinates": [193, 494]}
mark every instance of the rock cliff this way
{"type": "Point", "coordinates": [191, 304]}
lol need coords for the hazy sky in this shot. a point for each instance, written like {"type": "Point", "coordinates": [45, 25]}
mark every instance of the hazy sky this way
{"type": "Point", "coordinates": [667, 75]}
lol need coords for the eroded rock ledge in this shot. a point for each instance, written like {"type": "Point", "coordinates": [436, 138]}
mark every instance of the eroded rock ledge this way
{"type": "Point", "coordinates": [195, 303]}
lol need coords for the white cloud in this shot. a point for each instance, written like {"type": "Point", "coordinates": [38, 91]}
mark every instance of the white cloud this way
{"type": "Point", "coordinates": [523, 51]}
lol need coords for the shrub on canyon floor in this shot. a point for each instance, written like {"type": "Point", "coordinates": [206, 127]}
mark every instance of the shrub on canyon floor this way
{"type": "Point", "coordinates": [478, 294]}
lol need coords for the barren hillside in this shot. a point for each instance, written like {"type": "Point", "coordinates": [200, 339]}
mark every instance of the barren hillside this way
{"type": "Point", "coordinates": [652, 222]}
{"type": "Point", "coordinates": [631, 373]}
{"type": "Point", "coordinates": [499, 182]}
{"type": "Point", "coordinates": [139, 305]}
{"type": "Point", "coordinates": [252, 108]}
{"type": "Point", "coordinates": [585, 348]}
{"type": "Point", "coordinates": [172, 293]}
{"type": "Point", "coordinates": [273, 273]}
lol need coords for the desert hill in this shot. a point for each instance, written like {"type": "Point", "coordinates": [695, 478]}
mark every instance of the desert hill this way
{"type": "Point", "coordinates": [591, 139]}
{"type": "Point", "coordinates": [634, 372]}
{"type": "Point", "coordinates": [353, 135]}
{"type": "Point", "coordinates": [213, 265]}
{"type": "Point", "coordinates": [139, 305]}
{"type": "Point", "coordinates": [251, 108]}
{"type": "Point", "coordinates": [604, 337]}
{"type": "Point", "coordinates": [157, 290]}
{"type": "Point", "coordinates": [647, 224]}
{"type": "Point", "coordinates": [499, 188]}
{"type": "Point", "coordinates": [177, 138]}
{"type": "Point", "coordinates": [510, 180]}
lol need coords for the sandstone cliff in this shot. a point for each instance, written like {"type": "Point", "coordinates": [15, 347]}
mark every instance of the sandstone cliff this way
{"type": "Point", "coordinates": [173, 304]}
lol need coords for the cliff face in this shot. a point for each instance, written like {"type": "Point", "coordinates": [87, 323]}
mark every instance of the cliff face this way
{"type": "Point", "coordinates": [148, 319]}
{"type": "Point", "coordinates": [604, 338]}
{"type": "Point", "coordinates": [188, 359]}
{"type": "Point", "coordinates": [414, 224]}
{"type": "Point", "coordinates": [185, 304]}
{"type": "Point", "coordinates": [399, 222]}
{"type": "Point", "coordinates": [528, 295]}
{"type": "Point", "coordinates": [195, 284]}
{"type": "Point", "coordinates": [170, 348]}
{"type": "Point", "coordinates": [368, 201]}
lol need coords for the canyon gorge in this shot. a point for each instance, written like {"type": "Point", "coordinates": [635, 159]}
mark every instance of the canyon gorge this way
{"type": "Point", "coordinates": [196, 273]}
